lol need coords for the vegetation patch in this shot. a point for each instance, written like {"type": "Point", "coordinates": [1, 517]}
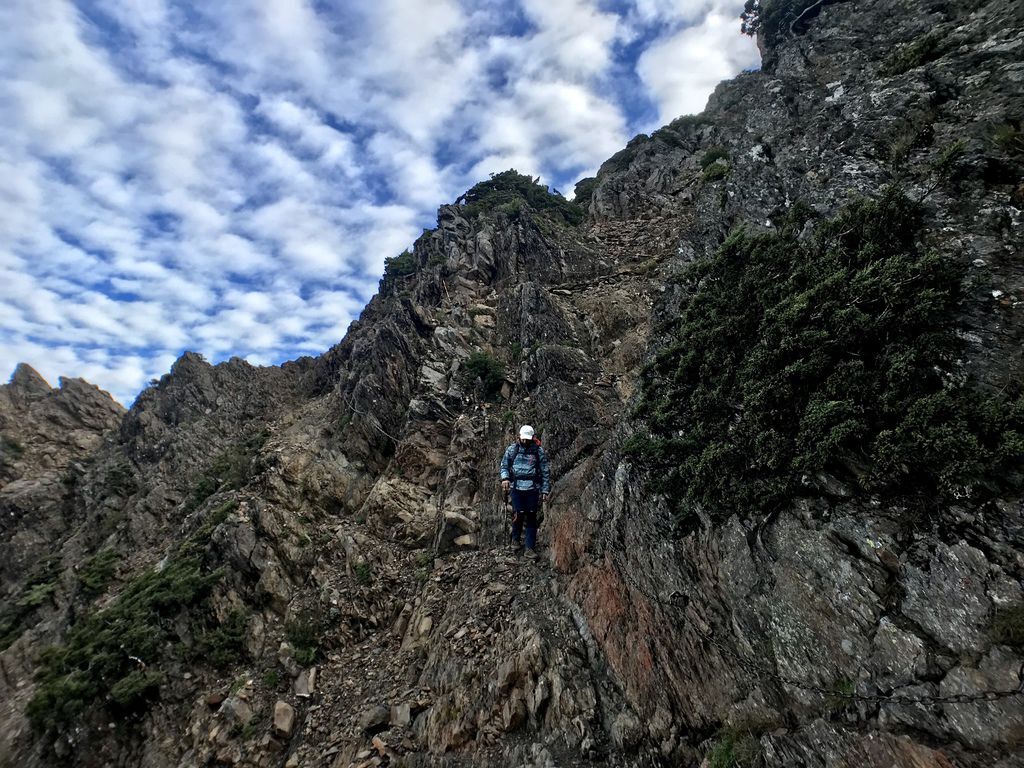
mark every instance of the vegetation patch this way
{"type": "Point", "coordinates": [715, 172]}
{"type": "Point", "coordinates": [424, 558]}
{"type": "Point", "coordinates": [486, 368]}
{"type": "Point", "coordinates": [915, 54]}
{"type": "Point", "coordinates": [1008, 626]}
{"type": "Point", "coordinates": [734, 749]}
{"type": "Point", "coordinates": [97, 572]}
{"type": "Point", "coordinates": [712, 156]}
{"type": "Point", "coordinates": [774, 18]}
{"type": "Point", "coordinates": [714, 164]}
{"type": "Point", "coordinates": [136, 688]}
{"type": "Point", "coordinates": [948, 161]}
{"type": "Point", "coordinates": [402, 265]}
{"type": "Point", "coordinates": [509, 191]}
{"type": "Point", "coordinates": [10, 449]}
{"type": "Point", "coordinates": [119, 480]}
{"type": "Point", "coordinates": [1008, 138]}
{"type": "Point", "coordinates": [16, 615]}
{"type": "Point", "coordinates": [107, 655]}
{"type": "Point", "coordinates": [231, 469]}
{"type": "Point", "coordinates": [303, 632]}
{"type": "Point", "coordinates": [832, 354]}
{"type": "Point", "coordinates": [224, 645]}
{"type": "Point", "coordinates": [363, 574]}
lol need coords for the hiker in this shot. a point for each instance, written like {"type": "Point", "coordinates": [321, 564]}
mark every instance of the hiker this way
{"type": "Point", "coordinates": [526, 477]}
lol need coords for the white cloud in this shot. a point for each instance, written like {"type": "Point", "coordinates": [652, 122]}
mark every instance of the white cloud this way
{"type": "Point", "coordinates": [573, 35]}
{"type": "Point", "coordinates": [682, 70]}
{"type": "Point", "coordinates": [229, 177]}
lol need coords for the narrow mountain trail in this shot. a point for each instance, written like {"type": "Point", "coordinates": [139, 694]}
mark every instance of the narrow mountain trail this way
{"type": "Point", "coordinates": [490, 651]}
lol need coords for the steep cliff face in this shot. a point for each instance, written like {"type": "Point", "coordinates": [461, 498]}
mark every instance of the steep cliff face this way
{"type": "Point", "coordinates": [750, 623]}
{"type": "Point", "coordinates": [304, 566]}
{"type": "Point", "coordinates": [44, 434]}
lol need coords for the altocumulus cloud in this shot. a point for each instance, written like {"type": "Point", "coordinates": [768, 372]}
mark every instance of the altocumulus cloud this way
{"type": "Point", "coordinates": [230, 176]}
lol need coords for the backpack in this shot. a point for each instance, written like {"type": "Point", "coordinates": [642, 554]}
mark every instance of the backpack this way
{"type": "Point", "coordinates": [538, 476]}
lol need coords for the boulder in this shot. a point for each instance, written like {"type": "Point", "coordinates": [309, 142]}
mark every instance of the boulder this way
{"type": "Point", "coordinates": [284, 719]}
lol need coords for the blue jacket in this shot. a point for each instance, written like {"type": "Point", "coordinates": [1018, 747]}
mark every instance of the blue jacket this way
{"type": "Point", "coordinates": [525, 468]}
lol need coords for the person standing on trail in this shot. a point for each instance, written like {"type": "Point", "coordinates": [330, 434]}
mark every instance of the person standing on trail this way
{"type": "Point", "coordinates": [526, 476]}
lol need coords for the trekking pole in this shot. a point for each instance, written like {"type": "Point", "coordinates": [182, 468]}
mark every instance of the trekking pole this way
{"type": "Point", "coordinates": [509, 521]}
{"type": "Point", "coordinates": [541, 517]}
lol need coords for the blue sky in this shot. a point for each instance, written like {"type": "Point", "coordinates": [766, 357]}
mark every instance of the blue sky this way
{"type": "Point", "coordinates": [228, 177]}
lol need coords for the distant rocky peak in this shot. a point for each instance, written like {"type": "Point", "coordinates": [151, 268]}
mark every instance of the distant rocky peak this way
{"type": "Point", "coordinates": [27, 381]}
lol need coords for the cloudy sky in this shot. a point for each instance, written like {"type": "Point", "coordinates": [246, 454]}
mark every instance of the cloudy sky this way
{"type": "Point", "coordinates": [228, 177]}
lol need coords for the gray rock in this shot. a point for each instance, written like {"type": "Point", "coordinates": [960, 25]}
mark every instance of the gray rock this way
{"type": "Point", "coordinates": [949, 600]}
{"type": "Point", "coordinates": [400, 714]}
{"type": "Point", "coordinates": [897, 657]}
{"type": "Point", "coordinates": [284, 719]}
{"type": "Point", "coordinates": [375, 719]}
{"type": "Point", "coordinates": [982, 724]}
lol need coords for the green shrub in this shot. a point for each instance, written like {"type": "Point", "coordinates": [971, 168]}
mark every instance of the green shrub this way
{"type": "Point", "coordinates": [303, 632]}
{"type": "Point", "coordinates": [119, 480]}
{"type": "Point", "coordinates": [271, 678]}
{"type": "Point", "coordinates": [10, 448]}
{"type": "Point", "coordinates": [134, 689]}
{"type": "Point", "coordinates": [512, 193]}
{"type": "Point", "coordinates": [37, 594]}
{"type": "Point", "coordinates": [712, 156]}
{"type": "Point", "coordinates": [424, 558]}
{"type": "Point", "coordinates": [224, 645]}
{"type": "Point", "coordinates": [513, 208]}
{"type": "Point", "coordinates": [16, 614]}
{"type": "Point", "coordinates": [946, 163]}
{"type": "Point", "coordinates": [689, 122]}
{"type": "Point", "coordinates": [794, 357]}
{"type": "Point", "coordinates": [98, 661]}
{"type": "Point", "coordinates": [229, 470]}
{"type": "Point", "coordinates": [666, 135]}
{"type": "Point", "coordinates": [363, 574]}
{"type": "Point", "coordinates": [734, 749]}
{"type": "Point", "coordinates": [97, 572]}
{"type": "Point", "coordinates": [482, 366]}
{"type": "Point", "coordinates": [774, 18]}
{"type": "Point", "coordinates": [1009, 139]}
{"type": "Point", "coordinates": [915, 54]}
{"type": "Point", "coordinates": [402, 265]}
{"type": "Point", "coordinates": [715, 172]}
{"type": "Point", "coordinates": [1008, 626]}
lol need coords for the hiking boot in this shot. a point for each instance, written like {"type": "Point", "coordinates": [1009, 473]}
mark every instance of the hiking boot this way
{"type": "Point", "coordinates": [530, 554]}
{"type": "Point", "coordinates": [515, 546]}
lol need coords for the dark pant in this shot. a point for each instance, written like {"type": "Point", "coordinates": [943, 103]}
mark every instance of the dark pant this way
{"type": "Point", "coordinates": [524, 515]}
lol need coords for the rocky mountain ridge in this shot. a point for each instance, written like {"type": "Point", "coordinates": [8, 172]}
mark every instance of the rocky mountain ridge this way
{"type": "Point", "coordinates": [303, 565]}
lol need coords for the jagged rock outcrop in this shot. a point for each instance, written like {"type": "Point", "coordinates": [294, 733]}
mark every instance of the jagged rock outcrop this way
{"type": "Point", "coordinates": [305, 563]}
{"type": "Point", "coordinates": [45, 436]}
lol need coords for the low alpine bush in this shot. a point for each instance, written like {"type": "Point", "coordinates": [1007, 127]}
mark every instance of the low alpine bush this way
{"type": "Point", "coordinates": [832, 354]}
